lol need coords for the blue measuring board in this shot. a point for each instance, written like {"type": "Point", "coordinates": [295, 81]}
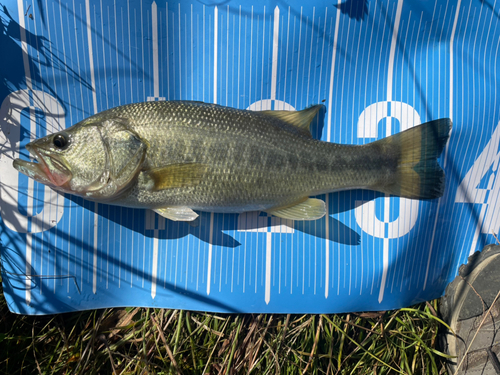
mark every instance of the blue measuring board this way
{"type": "Point", "coordinates": [378, 66]}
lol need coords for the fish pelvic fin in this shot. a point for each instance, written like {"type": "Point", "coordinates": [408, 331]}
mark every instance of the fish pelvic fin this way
{"type": "Point", "coordinates": [177, 213]}
{"type": "Point", "coordinates": [418, 174]}
{"type": "Point", "coordinates": [300, 119]}
{"type": "Point", "coordinates": [310, 209]}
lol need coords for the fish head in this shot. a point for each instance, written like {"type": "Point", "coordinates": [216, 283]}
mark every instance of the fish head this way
{"type": "Point", "coordinates": [70, 160]}
{"type": "Point", "coordinates": [93, 159]}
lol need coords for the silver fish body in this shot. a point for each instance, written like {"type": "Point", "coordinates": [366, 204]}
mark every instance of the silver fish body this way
{"type": "Point", "coordinates": [179, 156]}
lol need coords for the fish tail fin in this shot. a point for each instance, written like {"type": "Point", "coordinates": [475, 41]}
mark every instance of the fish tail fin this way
{"type": "Point", "coordinates": [418, 174]}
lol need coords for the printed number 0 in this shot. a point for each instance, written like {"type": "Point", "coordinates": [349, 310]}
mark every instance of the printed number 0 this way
{"type": "Point", "coordinates": [408, 209]}
{"type": "Point", "coordinates": [10, 132]}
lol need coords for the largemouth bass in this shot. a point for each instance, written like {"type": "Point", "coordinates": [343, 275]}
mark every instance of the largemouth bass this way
{"type": "Point", "coordinates": [180, 156]}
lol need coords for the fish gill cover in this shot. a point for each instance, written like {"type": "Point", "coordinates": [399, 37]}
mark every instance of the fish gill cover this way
{"type": "Point", "coordinates": [378, 67]}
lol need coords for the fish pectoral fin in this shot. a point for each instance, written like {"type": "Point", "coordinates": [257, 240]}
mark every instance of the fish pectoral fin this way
{"type": "Point", "coordinates": [175, 176]}
{"type": "Point", "coordinates": [177, 213]}
{"type": "Point", "coordinates": [300, 119]}
{"type": "Point", "coordinates": [310, 209]}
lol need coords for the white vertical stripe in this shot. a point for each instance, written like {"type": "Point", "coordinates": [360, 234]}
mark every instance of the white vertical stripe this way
{"type": "Point", "coordinates": [203, 54]}
{"type": "Point", "coordinates": [250, 64]}
{"type": "Point", "coordinates": [387, 202]}
{"type": "Point", "coordinates": [122, 245]}
{"type": "Point", "coordinates": [353, 116]}
{"type": "Point", "coordinates": [298, 60]}
{"type": "Point", "coordinates": [263, 54]}
{"type": "Point", "coordinates": [210, 240]}
{"type": "Point", "coordinates": [31, 182]}
{"type": "Point", "coordinates": [116, 50]}
{"type": "Point", "coordinates": [216, 27]}
{"type": "Point", "coordinates": [156, 83]}
{"type": "Point", "coordinates": [130, 66]}
{"type": "Point", "coordinates": [22, 30]}
{"type": "Point", "coordinates": [461, 80]}
{"type": "Point", "coordinates": [341, 120]}
{"type": "Point", "coordinates": [274, 74]}
{"type": "Point", "coordinates": [367, 74]}
{"type": "Point", "coordinates": [267, 282]}
{"type": "Point", "coordinates": [94, 100]}
{"type": "Point", "coordinates": [154, 271]}
{"type": "Point", "coordinates": [452, 39]}
{"type": "Point", "coordinates": [94, 260]}
{"type": "Point", "coordinates": [332, 71]}
{"type": "Point", "coordinates": [176, 267]}
{"type": "Point", "coordinates": [239, 58]}
{"type": "Point", "coordinates": [142, 66]}
{"type": "Point", "coordinates": [460, 111]}
{"type": "Point", "coordinates": [387, 205]}
{"type": "Point", "coordinates": [481, 172]}
{"type": "Point", "coordinates": [327, 247]}
{"type": "Point", "coordinates": [232, 62]}
{"type": "Point", "coordinates": [322, 53]}
{"type": "Point", "coordinates": [446, 152]}
{"type": "Point", "coordinates": [392, 54]}
{"type": "Point", "coordinates": [310, 53]}
{"type": "Point", "coordinates": [180, 52]}
{"type": "Point", "coordinates": [286, 55]}
{"type": "Point", "coordinates": [477, 230]}
{"type": "Point", "coordinates": [188, 251]}
{"type": "Point", "coordinates": [209, 271]}
{"type": "Point", "coordinates": [168, 54]}
{"type": "Point", "coordinates": [31, 188]}
{"type": "Point", "coordinates": [192, 50]}
{"type": "Point", "coordinates": [156, 72]}
{"type": "Point", "coordinates": [257, 247]}
{"type": "Point", "coordinates": [227, 57]}
{"type": "Point", "coordinates": [327, 230]}
{"type": "Point", "coordinates": [28, 266]}
{"type": "Point", "coordinates": [328, 139]}
{"type": "Point", "coordinates": [198, 260]}
{"type": "Point", "coordinates": [91, 55]}
{"type": "Point", "coordinates": [269, 243]}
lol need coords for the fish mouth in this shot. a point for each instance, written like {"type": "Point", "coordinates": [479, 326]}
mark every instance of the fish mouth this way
{"type": "Point", "coordinates": [46, 168]}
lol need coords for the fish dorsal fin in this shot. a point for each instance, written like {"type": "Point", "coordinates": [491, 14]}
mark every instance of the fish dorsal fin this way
{"type": "Point", "coordinates": [177, 213]}
{"type": "Point", "coordinates": [175, 176]}
{"type": "Point", "coordinates": [310, 209]}
{"type": "Point", "coordinates": [299, 119]}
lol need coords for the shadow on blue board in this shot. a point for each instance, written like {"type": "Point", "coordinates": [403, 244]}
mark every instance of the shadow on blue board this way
{"type": "Point", "coordinates": [338, 232]}
{"type": "Point", "coordinates": [14, 272]}
{"type": "Point", "coordinates": [12, 74]}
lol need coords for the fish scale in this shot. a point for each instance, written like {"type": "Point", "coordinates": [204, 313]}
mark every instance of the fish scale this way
{"type": "Point", "coordinates": [175, 157]}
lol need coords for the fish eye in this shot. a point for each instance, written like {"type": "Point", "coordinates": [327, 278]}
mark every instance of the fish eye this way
{"type": "Point", "coordinates": [61, 141]}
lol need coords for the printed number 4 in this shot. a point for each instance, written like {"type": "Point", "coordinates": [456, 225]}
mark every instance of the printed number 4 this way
{"type": "Point", "coordinates": [485, 166]}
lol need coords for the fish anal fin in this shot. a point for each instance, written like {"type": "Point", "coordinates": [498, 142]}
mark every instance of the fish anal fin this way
{"type": "Point", "coordinates": [299, 119]}
{"type": "Point", "coordinates": [177, 213]}
{"type": "Point", "coordinates": [175, 176]}
{"type": "Point", "coordinates": [310, 209]}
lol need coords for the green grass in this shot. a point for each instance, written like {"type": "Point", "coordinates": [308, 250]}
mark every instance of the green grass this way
{"type": "Point", "coordinates": [156, 341]}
